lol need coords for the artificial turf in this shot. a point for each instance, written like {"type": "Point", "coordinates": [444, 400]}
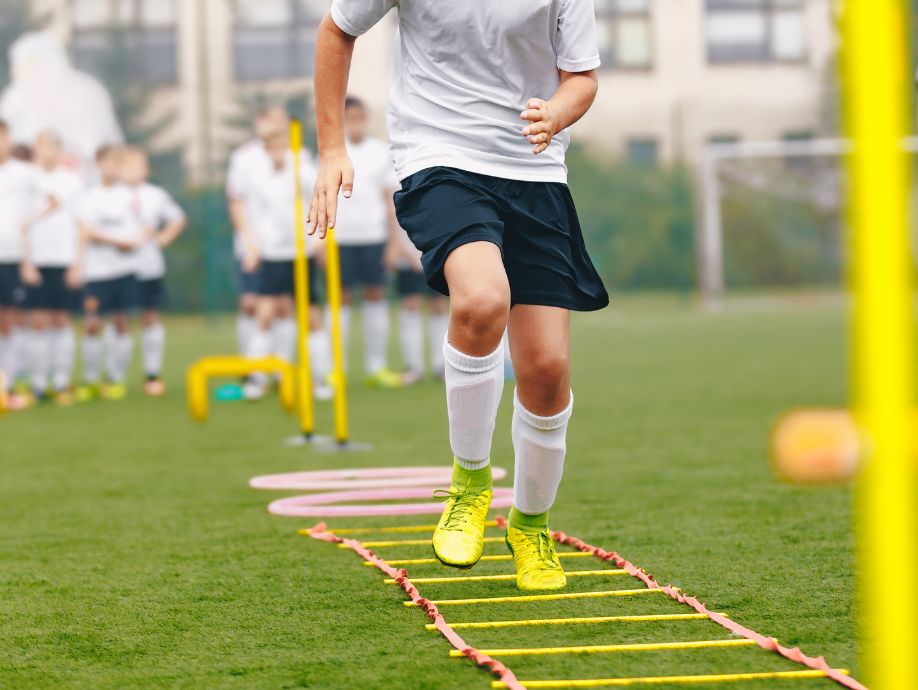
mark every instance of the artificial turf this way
{"type": "Point", "coordinates": [135, 556]}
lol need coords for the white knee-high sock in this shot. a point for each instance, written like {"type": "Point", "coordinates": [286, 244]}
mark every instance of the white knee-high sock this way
{"type": "Point", "coordinates": [40, 360]}
{"type": "Point", "coordinates": [245, 325]}
{"type": "Point", "coordinates": [320, 355]}
{"type": "Point", "coordinates": [474, 386]}
{"type": "Point", "coordinates": [260, 342]}
{"type": "Point", "coordinates": [7, 366]}
{"type": "Point", "coordinates": [345, 325]}
{"type": "Point", "coordinates": [153, 348]}
{"type": "Point", "coordinates": [20, 345]}
{"type": "Point", "coordinates": [438, 326]}
{"type": "Point", "coordinates": [375, 335]}
{"type": "Point", "coordinates": [124, 353]}
{"type": "Point", "coordinates": [110, 339]}
{"type": "Point", "coordinates": [283, 335]}
{"type": "Point", "coordinates": [540, 444]}
{"type": "Point", "coordinates": [63, 351]}
{"type": "Point", "coordinates": [92, 358]}
{"type": "Point", "coordinates": [411, 334]}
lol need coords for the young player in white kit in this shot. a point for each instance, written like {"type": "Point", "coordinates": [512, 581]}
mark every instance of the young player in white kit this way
{"type": "Point", "coordinates": [51, 271]}
{"type": "Point", "coordinates": [164, 221]}
{"type": "Point", "coordinates": [111, 233]}
{"type": "Point", "coordinates": [480, 155]}
{"type": "Point", "coordinates": [17, 188]}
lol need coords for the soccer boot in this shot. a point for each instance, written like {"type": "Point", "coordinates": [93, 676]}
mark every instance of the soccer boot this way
{"type": "Point", "coordinates": [458, 540]}
{"type": "Point", "coordinates": [537, 564]}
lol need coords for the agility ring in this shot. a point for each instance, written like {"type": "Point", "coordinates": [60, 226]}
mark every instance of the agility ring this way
{"type": "Point", "coordinates": [376, 478]}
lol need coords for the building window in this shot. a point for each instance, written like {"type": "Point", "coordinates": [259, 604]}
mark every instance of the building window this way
{"type": "Point", "coordinates": [624, 33]}
{"type": "Point", "coordinates": [138, 36]}
{"type": "Point", "coordinates": [275, 39]}
{"type": "Point", "coordinates": [642, 151]}
{"type": "Point", "coordinates": [755, 31]}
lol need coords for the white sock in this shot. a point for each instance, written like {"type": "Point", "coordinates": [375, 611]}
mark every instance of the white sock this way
{"type": "Point", "coordinates": [259, 345]}
{"type": "Point", "coordinates": [283, 335]}
{"type": "Point", "coordinates": [320, 355]}
{"type": "Point", "coordinates": [110, 339]}
{"type": "Point", "coordinates": [345, 325]}
{"type": "Point", "coordinates": [7, 366]}
{"type": "Point", "coordinates": [92, 358]}
{"type": "Point", "coordinates": [438, 327]}
{"type": "Point", "coordinates": [474, 386]}
{"type": "Point", "coordinates": [153, 347]}
{"type": "Point", "coordinates": [63, 351]}
{"type": "Point", "coordinates": [124, 353]}
{"type": "Point", "coordinates": [375, 335]}
{"type": "Point", "coordinates": [245, 325]}
{"type": "Point", "coordinates": [411, 334]}
{"type": "Point", "coordinates": [540, 444]}
{"type": "Point", "coordinates": [40, 360]}
{"type": "Point", "coordinates": [20, 345]}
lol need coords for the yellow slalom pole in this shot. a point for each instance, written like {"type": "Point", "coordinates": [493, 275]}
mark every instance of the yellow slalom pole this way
{"type": "Point", "coordinates": [878, 112]}
{"type": "Point", "coordinates": [387, 530]}
{"type": "Point", "coordinates": [413, 542]}
{"type": "Point", "coordinates": [504, 578]}
{"type": "Point", "coordinates": [613, 648]}
{"type": "Point", "coordinates": [543, 597]}
{"type": "Point", "coordinates": [499, 557]}
{"type": "Point", "coordinates": [305, 404]}
{"type": "Point", "coordinates": [333, 271]}
{"type": "Point", "coordinates": [587, 620]}
{"type": "Point", "coordinates": [668, 680]}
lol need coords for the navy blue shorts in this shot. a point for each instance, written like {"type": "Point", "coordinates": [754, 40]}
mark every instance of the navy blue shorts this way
{"type": "Point", "coordinates": [118, 295]}
{"type": "Point", "coordinates": [12, 292]}
{"type": "Point", "coordinates": [248, 281]}
{"type": "Point", "coordinates": [362, 265]}
{"type": "Point", "coordinates": [409, 283]}
{"type": "Point", "coordinates": [534, 224]}
{"type": "Point", "coordinates": [151, 294]}
{"type": "Point", "coordinates": [53, 294]}
{"type": "Point", "coordinates": [276, 278]}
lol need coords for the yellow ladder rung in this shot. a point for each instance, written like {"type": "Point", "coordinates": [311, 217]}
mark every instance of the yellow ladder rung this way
{"type": "Point", "coordinates": [503, 578]}
{"type": "Point", "coordinates": [576, 621]}
{"type": "Point", "coordinates": [543, 597]}
{"type": "Point", "coordinates": [412, 542]}
{"type": "Point", "coordinates": [669, 680]}
{"type": "Point", "coordinates": [501, 557]}
{"type": "Point", "coordinates": [386, 530]}
{"type": "Point", "coordinates": [613, 648]}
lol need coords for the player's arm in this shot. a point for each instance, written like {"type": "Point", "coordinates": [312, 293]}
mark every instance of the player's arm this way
{"type": "Point", "coordinates": [176, 223]}
{"type": "Point", "coordinates": [334, 50]}
{"type": "Point", "coordinates": [93, 236]}
{"type": "Point", "coordinates": [28, 271]}
{"type": "Point", "coordinates": [570, 102]}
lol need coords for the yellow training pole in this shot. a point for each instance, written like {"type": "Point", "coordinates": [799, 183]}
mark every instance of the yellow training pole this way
{"type": "Point", "coordinates": [504, 578]}
{"type": "Point", "coordinates": [613, 648]}
{"type": "Point", "coordinates": [333, 270]}
{"type": "Point", "coordinates": [877, 89]}
{"type": "Point", "coordinates": [543, 597]}
{"type": "Point", "coordinates": [587, 620]}
{"type": "Point", "coordinates": [668, 680]}
{"type": "Point", "coordinates": [305, 404]}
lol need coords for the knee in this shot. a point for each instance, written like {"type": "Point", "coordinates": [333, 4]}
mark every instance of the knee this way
{"type": "Point", "coordinates": [481, 311]}
{"type": "Point", "coordinates": [543, 377]}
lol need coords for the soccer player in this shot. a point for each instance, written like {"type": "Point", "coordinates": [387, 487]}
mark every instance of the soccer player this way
{"type": "Point", "coordinates": [366, 227]}
{"type": "Point", "coordinates": [273, 220]}
{"type": "Point", "coordinates": [111, 233]}
{"type": "Point", "coordinates": [17, 189]}
{"type": "Point", "coordinates": [482, 98]}
{"type": "Point", "coordinates": [163, 221]}
{"type": "Point", "coordinates": [51, 270]}
{"type": "Point", "coordinates": [250, 161]}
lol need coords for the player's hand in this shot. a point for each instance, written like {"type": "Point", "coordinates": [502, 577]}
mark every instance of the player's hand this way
{"type": "Point", "coordinates": [53, 204]}
{"type": "Point", "coordinates": [30, 274]}
{"type": "Point", "coordinates": [251, 258]}
{"type": "Point", "coordinates": [73, 277]}
{"type": "Point", "coordinates": [336, 174]}
{"type": "Point", "coordinates": [542, 125]}
{"type": "Point", "coordinates": [126, 245]}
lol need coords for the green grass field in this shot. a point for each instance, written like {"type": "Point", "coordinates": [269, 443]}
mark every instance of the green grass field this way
{"type": "Point", "coordinates": [135, 556]}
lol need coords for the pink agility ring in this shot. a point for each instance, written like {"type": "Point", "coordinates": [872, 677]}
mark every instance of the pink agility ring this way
{"type": "Point", "coordinates": [378, 478]}
{"type": "Point", "coordinates": [319, 505]}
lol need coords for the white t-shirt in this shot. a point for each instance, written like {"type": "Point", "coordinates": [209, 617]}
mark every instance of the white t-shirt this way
{"type": "Point", "coordinates": [54, 239]}
{"type": "Point", "coordinates": [364, 218]}
{"type": "Point", "coordinates": [155, 209]}
{"type": "Point", "coordinates": [247, 163]}
{"type": "Point", "coordinates": [18, 182]}
{"type": "Point", "coordinates": [272, 203]}
{"type": "Point", "coordinates": [464, 71]}
{"type": "Point", "coordinates": [109, 211]}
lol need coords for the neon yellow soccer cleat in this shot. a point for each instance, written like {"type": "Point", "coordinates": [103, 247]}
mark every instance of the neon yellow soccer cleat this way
{"type": "Point", "coordinates": [537, 564]}
{"type": "Point", "coordinates": [385, 378]}
{"type": "Point", "coordinates": [114, 391]}
{"type": "Point", "coordinates": [87, 393]}
{"type": "Point", "coordinates": [458, 540]}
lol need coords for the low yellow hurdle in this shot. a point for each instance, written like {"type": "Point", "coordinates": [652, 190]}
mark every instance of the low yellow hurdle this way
{"type": "Point", "coordinates": [201, 372]}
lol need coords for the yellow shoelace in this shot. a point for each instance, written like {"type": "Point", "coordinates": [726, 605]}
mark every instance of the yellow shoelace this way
{"type": "Point", "coordinates": [459, 502]}
{"type": "Point", "coordinates": [542, 548]}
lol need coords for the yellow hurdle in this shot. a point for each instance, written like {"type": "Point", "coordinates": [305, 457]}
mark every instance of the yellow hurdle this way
{"type": "Point", "coordinates": [386, 530]}
{"type": "Point", "coordinates": [538, 622]}
{"type": "Point", "coordinates": [613, 648]}
{"type": "Point", "coordinates": [200, 373]}
{"type": "Point", "coordinates": [504, 578]}
{"type": "Point", "coordinates": [668, 680]}
{"type": "Point", "coordinates": [543, 597]}
{"type": "Point", "coordinates": [412, 542]}
{"type": "Point", "coordinates": [499, 557]}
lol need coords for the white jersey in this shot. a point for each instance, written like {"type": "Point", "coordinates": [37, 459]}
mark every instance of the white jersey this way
{"type": "Point", "coordinates": [54, 238]}
{"type": "Point", "coordinates": [463, 73]}
{"type": "Point", "coordinates": [364, 218]}
{"type": "Point", "coordinates": [247, 163]}
{"type": "Point", "coordinates": [18, 182]}
{"type": "Point", "coordinates": [273, 216]}
{"type": "Point", "coordinates": [108, 210]}
{"type": "Point", "coordinates": [155, 209]}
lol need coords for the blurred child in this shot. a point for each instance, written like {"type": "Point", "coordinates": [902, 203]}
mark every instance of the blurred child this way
{"type": "Point", "coordinates": [51, 271]}
{"type": "Point", "coordinates": [272, 198]}
{"type": "Point", "coordinates": [111, 233]}
{"type": "Point", "coordinates": [17, 189]}
{"type": "Point", "coordinates": [164, 221]}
